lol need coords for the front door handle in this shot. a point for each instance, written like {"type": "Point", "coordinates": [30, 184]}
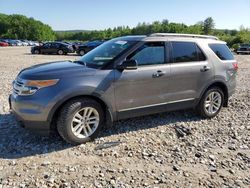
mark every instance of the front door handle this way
{"type": "Point", "coordinates": [159, 73]}
{"type": "Point", "coordinates": [205, 68]}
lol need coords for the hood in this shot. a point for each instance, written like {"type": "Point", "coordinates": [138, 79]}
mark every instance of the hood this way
{"type": "Point", "coordinates": [55, 70]}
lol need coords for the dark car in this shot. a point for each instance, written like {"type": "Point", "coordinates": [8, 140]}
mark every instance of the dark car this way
{"type": "Point", "coordinates": [85, 48]}
{"type": "Point", "coordinates": [59, 48]}
{"type": "Point", "coordinates": [243, 49]}
{"type": "Point", "coordinates": [77, 44]}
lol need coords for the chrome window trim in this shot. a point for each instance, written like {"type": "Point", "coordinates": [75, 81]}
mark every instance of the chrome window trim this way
{"type": "Point", "coordinates": [159, 104]}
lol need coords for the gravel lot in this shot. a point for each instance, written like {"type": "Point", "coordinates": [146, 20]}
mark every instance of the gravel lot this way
{"type": "Point", "coordinates": [147, 151]}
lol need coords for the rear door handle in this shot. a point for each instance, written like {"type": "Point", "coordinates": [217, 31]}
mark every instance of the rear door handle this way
{"type": "Point", "coordinates": [205, 68]}
{"type": "Point", "coordinates": [159, 73]}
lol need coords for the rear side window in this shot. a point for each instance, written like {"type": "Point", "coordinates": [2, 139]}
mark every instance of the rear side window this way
{"type": "Point", "coordinates": [222, 51]}
{"type": "Point", "coordinates": [187, 52]}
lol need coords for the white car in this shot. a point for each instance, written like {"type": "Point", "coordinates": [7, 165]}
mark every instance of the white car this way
{"type": "Point", "coordinates": [19, 43]}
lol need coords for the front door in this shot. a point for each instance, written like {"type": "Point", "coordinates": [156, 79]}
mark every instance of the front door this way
{"type": "Point", "coordinates": [147, 86]}
{"type": "Point", "coordinates": [46, 48]}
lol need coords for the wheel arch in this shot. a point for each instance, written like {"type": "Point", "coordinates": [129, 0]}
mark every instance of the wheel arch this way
{"type": "Point", "coordinates": [222, 86]}
{"type": "Point", "coordinates": [56, 109]}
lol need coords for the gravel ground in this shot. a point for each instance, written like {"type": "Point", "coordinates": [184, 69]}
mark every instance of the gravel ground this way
{"type": "Point", "coordinates": [143, 152]}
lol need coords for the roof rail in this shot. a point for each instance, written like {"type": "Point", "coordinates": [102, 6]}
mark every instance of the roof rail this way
{"type": "Point", "coordinates": [182, 35]}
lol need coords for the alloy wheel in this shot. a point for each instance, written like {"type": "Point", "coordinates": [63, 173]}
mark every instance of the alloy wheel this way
{"type": "Point", "coordinates": [60, 52]}
{"type": "Point", "coordinates": [213, 102]}
{"type": "Point", "coordinates": [85, 122]}
{"type": "Point", "coordinates": [82, 52]}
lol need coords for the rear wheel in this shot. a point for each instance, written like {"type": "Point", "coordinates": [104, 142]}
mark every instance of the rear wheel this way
{"type": "Point", "coordinates": [60, 52]}
{"type": "Point", "coordinates": [36, 52]}
{"type": "Point", "coordinates": [211, 103]}
{"type": "Point", "coordinates": [81, 52]}
{"type": "Point", "coordinates": [80, 120]}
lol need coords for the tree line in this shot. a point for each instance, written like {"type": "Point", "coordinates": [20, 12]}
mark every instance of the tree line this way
{"type": "Point", "coordinates": [20, 27]}
{"type": "Point", "coordinates": [206, 27]}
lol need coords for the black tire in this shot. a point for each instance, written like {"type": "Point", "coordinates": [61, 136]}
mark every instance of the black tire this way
{"type": "Point", "coordinates": [66, 117]}
{"type": "Point", "coordinates": [201, 106]}
{"type": "Point", "coordinates": [36, 52]}
{"type": "Point", "coordinates": [60, 52]}
{"type": "Point", "coordinates": [81, 52]}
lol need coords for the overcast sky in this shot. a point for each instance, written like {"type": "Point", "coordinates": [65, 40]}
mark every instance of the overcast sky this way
{"type": "Point", "coordinates": [101, 14]}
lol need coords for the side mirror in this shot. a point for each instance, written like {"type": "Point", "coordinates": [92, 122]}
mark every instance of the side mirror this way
{"type": "Point", "coordinates": [128, 65]}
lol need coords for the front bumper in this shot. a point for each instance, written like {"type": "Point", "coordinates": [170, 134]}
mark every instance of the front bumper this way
{"type": "Point", "coordinates": [28, 117]}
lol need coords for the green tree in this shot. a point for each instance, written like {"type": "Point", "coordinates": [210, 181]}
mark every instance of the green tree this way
{"type": "Point", "coordinates": [20, 27]}
{"type": "Point", "coordinates": [208, 25]}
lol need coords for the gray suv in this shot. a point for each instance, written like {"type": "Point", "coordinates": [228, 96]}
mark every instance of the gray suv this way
{"type": "Point", "coordinates": [123, 78]}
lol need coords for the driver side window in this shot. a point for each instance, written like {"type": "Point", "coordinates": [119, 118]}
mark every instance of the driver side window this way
{"type": "Point", "coordinates": [150, 53]}
{"type": "Point", "coordinates": [47, 45]}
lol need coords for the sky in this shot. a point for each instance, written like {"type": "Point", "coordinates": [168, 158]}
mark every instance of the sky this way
{"type": "Point", "coordinates": [103, 14]}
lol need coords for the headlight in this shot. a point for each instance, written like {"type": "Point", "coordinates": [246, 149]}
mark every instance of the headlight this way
{"type": "Point", "coordinates": [29, 87]}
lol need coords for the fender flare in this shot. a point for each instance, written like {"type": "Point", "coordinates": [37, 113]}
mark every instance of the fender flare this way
{"type": "Point", "coordinates": [219, 83]}
{"type": "Point", "coordinates": [64, 99]}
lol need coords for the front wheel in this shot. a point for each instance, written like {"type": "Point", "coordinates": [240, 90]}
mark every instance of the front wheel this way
{"type": "Point", "coordinates": [80, 120]}
{"type": "Point", "coordinates": [211, 103]}
{"type": "Point", "coordinates": [82, 52]}
{"type": "Point", "coordinates": [60, 52]}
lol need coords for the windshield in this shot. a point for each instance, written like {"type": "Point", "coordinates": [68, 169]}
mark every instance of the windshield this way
{"type": "Point", "coordinates": [105, 53]}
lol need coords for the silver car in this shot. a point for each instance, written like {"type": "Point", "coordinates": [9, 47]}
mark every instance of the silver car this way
{"type": "Point", "coordinates": [123, 78]}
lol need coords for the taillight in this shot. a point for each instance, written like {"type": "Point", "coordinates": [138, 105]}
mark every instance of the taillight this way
{"type": "Point", "coordinates": [235, 65]}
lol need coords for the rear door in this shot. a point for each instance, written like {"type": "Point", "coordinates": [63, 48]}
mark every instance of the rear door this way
{"type": "Point", "coordinates": [55, 47]}
{"type": "Point", "coordinates": [190, 70]}
{"type": "Point", "coordinates": [46, 48]}
{"type": "Point", "coordinates": [145, 87]}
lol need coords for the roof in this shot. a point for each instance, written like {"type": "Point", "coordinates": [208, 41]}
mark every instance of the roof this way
{"type": "Point", "coordinates": [172, 37]}
{"type": "Point", "coordinates": [183, 35]}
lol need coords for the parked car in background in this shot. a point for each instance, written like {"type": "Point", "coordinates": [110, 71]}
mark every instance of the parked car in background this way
{"type": "Point", "coordinates": [77, 44]}
{"type": "Point", "coordinates": [24, 42]}
{"type": "Point", "coordinates": [124, 78]}
{"type": "Point", "coordinates": [31, 43]}
{"type": "Point", "coordinates": [2, 43]}
{"type": "Point", "coordinates": [18, 43]}
{"type": "Point", "coordinates": [59, 48]}
{"type": "Point", "coordinates": [12, 42]}
{"type": "Point", "coordinates": [243, 49]}
{"type": "Point", "coordinates": [85, 48]}
{"type": "Point", "coordinates": [35, 43]}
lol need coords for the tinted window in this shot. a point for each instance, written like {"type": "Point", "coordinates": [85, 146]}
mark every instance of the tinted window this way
{"type": "Point", "coordinates": [222, 51]}
{"type": "Point", "coordinates": [149, 54]}
{"type": "Point", "coordinates": [47, 45]}
{"type": "Point", "coordinates": [55, 45]}
{"type": "Point", "coordinates": [184, 51]}
{"type": "Point", "coordinates": [200, 54]}
{"type": "Point", "coordinates": [187, 52]}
